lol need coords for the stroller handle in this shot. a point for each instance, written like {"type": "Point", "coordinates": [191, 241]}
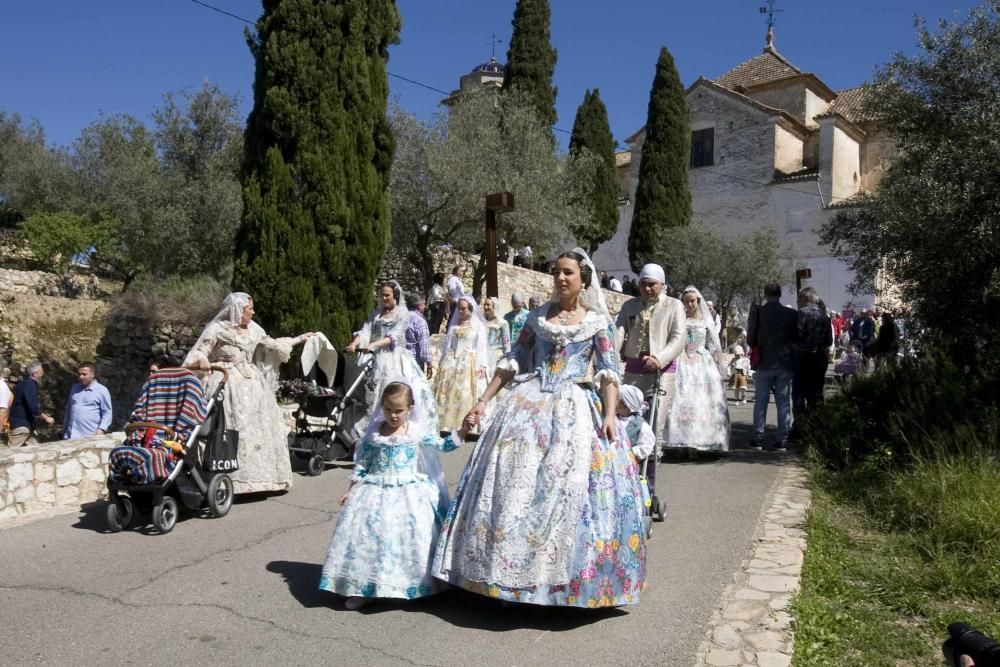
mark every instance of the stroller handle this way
{"type": "Point", "coordinates": [214, 368]}
{"type": "Point", "coordinates": [144, 425]}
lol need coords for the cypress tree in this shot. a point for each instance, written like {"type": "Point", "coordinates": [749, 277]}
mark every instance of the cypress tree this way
{"type": "Point", "coordinates": [316, 164]}
{"type": "Point", "coordinates": [591, 132]}
{"type": "Point", "coordinates": [531, 59]}
{"type": "Point", "coordinates": [662, 197]}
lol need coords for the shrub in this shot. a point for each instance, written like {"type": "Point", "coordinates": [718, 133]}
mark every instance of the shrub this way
{"type": "Point", "coordinates": [193, 300]}
{"type": "Point", "coordinates": [885, 420]}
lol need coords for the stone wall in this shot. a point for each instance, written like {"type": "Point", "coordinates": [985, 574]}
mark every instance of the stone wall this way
{"type": "Point", "coordinates": [54, 478]}
{"type": "Point", "coordinates": [49, 284]}
{"type": "Point", "coordinates": [510, 278]}
{"type": "Point", "coordinates": [128, 348]}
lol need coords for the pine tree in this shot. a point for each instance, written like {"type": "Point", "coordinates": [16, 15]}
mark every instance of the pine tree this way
{"type": "Point", "coordinates": [531, 59]}
{"type": "Point", "coordinates": [592, 133]}
{"type": "Point", "coordinates": [316, 164]}
{"type": "Point", "coordinates": [662, 197]}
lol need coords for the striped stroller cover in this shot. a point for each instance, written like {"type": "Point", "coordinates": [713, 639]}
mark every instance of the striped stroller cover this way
{"type": "Point", "coordinates": [173, 397]}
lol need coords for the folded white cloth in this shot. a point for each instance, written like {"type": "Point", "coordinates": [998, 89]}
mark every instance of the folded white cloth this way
{"type": "Point", "coordinates": [319, 350]}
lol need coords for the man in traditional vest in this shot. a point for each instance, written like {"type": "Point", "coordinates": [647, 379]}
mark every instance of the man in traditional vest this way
{"type": "Point", "coordinates": [651, 329]}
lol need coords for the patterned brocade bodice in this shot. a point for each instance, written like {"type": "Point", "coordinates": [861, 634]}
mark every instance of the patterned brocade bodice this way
{"type": "Point", "coordinates": [697, 338]}
{"type": "Point", "coordinates": [580, 353]}
{"type": "Point", "coordinates": [390, 461]}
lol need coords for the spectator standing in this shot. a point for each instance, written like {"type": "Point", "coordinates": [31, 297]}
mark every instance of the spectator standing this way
{"type": "Point", "coordinates": [455, 287]}
{"type": "Point", "coordinates": [25, 410]}
{"type": "Point", "coordinates": [6, 398]}
{"type": "Point", "coordinates": [815, 336]}
{"type": "Point", "coordinates": [437, 303]}
{"type": "Point", "coordinates": [88, 408]}
{"type": "Point", "coordinates": [616, 285]}
{"type": "Point", "coordinates": [887, 342]}
{"type": "Point", "coordinates": [605, 281]}
{"type": "Point", "coordinates": [772, 332]}
{"type": "Point", "coordinates": [517, 316]}
{"type": "Point", "coordinates": [418, 336]}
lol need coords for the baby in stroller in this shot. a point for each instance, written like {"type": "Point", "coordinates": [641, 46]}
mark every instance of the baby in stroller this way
{"type": "Point", "coordinates": [162, 462]}
{"type": "Point", "coordinates": [333, 404]}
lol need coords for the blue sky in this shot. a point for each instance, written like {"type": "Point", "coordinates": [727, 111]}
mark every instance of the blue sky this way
{"type": "Point", "coordinates": [65, 62]}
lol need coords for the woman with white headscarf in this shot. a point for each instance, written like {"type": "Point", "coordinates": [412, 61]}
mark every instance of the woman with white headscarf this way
{"type": "Point", "coordinates": [548, 510]}
{"type": "Point", "coordinates": [464, 365]}
{"type": "Point", "coordinates": [699, 416]}
{"type": "Point", "coordinates": [234, 341]}
{"type": "Point", "coordinates": [384, 333]}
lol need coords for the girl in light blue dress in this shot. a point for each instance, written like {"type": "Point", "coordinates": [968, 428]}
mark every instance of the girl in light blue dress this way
{"type": "Point", "coordinates": [386, 535]}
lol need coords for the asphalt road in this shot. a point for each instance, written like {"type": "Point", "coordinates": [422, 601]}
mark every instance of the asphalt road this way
{"type": "Point", "coordinates": [242, 589]}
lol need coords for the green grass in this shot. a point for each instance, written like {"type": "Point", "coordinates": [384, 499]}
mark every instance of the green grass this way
{"type": "Point", "coordinates": [893, 559]}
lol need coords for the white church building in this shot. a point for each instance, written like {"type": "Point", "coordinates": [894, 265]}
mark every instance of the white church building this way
{"type": "Point", "coordinates": [774, 146]}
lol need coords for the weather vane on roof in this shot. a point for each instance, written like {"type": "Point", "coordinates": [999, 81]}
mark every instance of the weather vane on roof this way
{"type": "Point", "coordinates": [493, 45]}
{"type": "Point", "coordinates": [770, 11]}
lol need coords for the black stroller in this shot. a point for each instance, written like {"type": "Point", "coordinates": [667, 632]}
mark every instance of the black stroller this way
{"type": "Point", "coordinates": [177, 453]}
{"type": "Point", "coordinates": [657, 509]}
{"type": "Point", "coordinates": [330, 415]}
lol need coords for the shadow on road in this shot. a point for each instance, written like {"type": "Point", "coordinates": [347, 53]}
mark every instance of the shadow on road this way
{"type": "Point", "coordinates": [460, 608]}
{"type": "Point", "coordinates": [302, 580]}
{"type": "Point", "coordinates": [468, 610]}
{"type": "Point", "coordinates": [93, 517]}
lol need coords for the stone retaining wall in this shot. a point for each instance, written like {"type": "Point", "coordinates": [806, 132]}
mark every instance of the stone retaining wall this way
{"type": "Point", "coordinates": [128, 348]}
{"type": "Point", "coordinates": [510, 278]}
{"type": "Point", "coordinates": [53, 478]}
{"type": "Point", "coordinates": [70, 285]}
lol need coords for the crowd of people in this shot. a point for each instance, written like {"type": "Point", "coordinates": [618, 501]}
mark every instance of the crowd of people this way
{"type": "Point", "coordinates": [87, 411]}
{"type": "Point", "coordinates": [549, 509]}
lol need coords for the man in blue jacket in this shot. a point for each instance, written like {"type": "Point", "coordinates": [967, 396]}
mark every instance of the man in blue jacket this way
{"type": "Point", "coordinates": [26, 410]}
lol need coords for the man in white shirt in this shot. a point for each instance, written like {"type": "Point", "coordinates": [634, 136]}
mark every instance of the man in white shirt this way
{"type": "Point", "coordinates": [616, 285]}
{"type": "Point", "coordinates": [5, 400]}
{"type": "Point", "coordinates": [455, 286]}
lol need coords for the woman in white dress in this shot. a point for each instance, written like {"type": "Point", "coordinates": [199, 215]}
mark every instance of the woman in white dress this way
{"type": "Point", "coordinates": [699, 415]}
{"type": "Point", "coordinates": [237, 343]}
{"type": "Point", "coordinates": [464, 366]}
{"type": "Point", "coordinates": [384, 333]}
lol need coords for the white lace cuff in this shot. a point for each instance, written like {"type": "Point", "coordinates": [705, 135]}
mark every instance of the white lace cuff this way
{"type": "Point", "coordinates": [610, 374]}
{"type": "Point", "coordinates": [508, 364]}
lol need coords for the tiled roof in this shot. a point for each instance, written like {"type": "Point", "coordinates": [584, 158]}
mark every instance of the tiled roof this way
{"type": "Point", "coordinates": [807, 174]}
{"type": "Point", "coordinates": [623, 158]}
{"type": "Point", "coordinates": [849, 104]}
{"type": "Point", "coordinates": [767, 67]}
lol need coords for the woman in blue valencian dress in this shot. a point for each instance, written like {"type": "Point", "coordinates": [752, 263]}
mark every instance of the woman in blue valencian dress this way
{"type": "Point", "coordinates": [548, 510]}
{"type": "Point", "coordinates": [385, 537]}
{"type": "Point", "coordinates": [699, 415]}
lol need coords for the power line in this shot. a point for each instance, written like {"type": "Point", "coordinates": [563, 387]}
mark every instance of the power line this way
{"type": "Point", "coordinates": [395, 76]}
{"type": "Point", "coordinates": [222, 11]}
{"type": "Point", "coordinates": [555, 129]}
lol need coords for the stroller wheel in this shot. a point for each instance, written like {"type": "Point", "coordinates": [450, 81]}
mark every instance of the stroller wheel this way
{"type": "Point", "coordinates": [165, 515]}
{"type": "Point", "coordinates": [121, 511]}
{"type": "Point", "coordinates": [659, 509]}
{"type": "Point", "coordinates": [220, 495]}
{"type": "Point", "coordinates": [316, 465]}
